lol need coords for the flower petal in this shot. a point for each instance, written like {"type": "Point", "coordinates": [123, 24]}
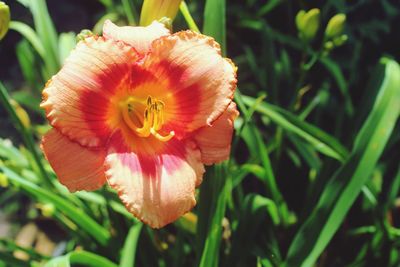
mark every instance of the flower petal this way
{"type": "Point", "coordinates": [215, 141]}
{"type": "Point", "coordinates": [197, 82]}
{"type": "Point", "coordinates": [77, 99]}
{"type": "Point", "coordinates": [156, 188]}
{"type": "Point", "coordinates": [138, 37]}
{"type": "Point", "coordinates": [77, 167]}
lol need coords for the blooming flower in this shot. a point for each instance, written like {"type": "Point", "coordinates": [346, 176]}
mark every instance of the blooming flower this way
{"type": "Point", "coordinates": [144, 110]}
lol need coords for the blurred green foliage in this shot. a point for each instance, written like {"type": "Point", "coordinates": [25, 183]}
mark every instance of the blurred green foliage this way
{"type": "Point", "coordinates": [314, 175]}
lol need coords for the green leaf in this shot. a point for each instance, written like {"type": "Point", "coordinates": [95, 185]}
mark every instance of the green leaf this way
{"type": "Point", "coordinates": [337, 74]}
{"type": "Point", "coordinates": [306, 151]}
{"type": "Point", "coordinates": [66, 43]}
{"type": "Point", "coordinates": [12, 246]}
{"type": "Point", "coordinates": [130, 11]}
{"type": "Point", "coordinates": [256, 210]}
{"type": "Point", "coordinates": [129, 249]}
{"type": "Point", "coordinates": [344, 187]}
{"type": "Point", "coordinates": [7, 259]}
{"type": "Point", "coordinates": [188, 17]}
{"type": "Point", "coordinates": [26, 59]}
{"type": "Point", "coordinates": [26, 135]}
{"type": "Point", "coordinates": [83, 258]}
{"type": "Point", "coordinates": [214, 21]}
{"type": "Point", "coordinates": [11, 153]}
{"type": "Point", "coordinates": [393, 192]}
{"type": "Point", "coordinates": [321, 141]}
{"type": "Point", "coordinates": [212, 204]}
{"type": "Point", "coordinates": [30, 35]}
{"type": "Point", "coordinates": [47, 33]}
{"type": "Point", "coordinates": [75, 214]}
{"type": "Point", "coordinates": [253, 137]}
{"type": "Point", "coordinates": [269, 6]}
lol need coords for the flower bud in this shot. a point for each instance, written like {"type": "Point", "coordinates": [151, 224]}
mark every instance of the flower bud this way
{"type": "Point", "coordinates": [329, 45]}
{"type": "Point", "coordinates": [335, 26]}
{"type": "Point", "coordinates": [4, 19]}
{"type": "Point", "coordinates": [21, 113]}
{"type": "Point", "coordinates": [338, 41]}
{"type": "Point", "coordinates": [308, 23]}
{"type": "Point", "coordinates": [3, 180]}
{"type": "Point", "coordinates": [156, 9]}
{"type": "Point", "coordinates": [47, 209]}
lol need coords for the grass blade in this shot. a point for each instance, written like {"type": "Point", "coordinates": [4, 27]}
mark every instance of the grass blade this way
{"type": "Point", "coordinates": [30, 35]}
{"type": "Point", "coordinates": [321, 141]}
{"type": "Point", "coordinates": [344, 187]}
{"type": "Point", "coordinates": [130, 12]}
{"type": "Point", "coordinates": [66, 43]}
{"type": "Point", "coordinates": [260, 151]}
{"type": "Point", "coordinates": [47, 33]}
{"type": "Point", "coordinates": [214, 21]}
{"type": "Point", "coordinates": [26, 135]}
{"type": "Point", "coordinates": [212, 210]}
{"type": "Point", "coordinates": [129, 249]}
{"type": "Point", "coordinates": [256, 210]}
{"type": "Point", "coordinates": [82, 258]}
{"type": "Point", "coordinates": [26, 60]}
{"type": "Point", "coordinates": [76, 215]}
{"type": "Point", "coordinates": [188, 17]}
{"type": "Point", "coordinates": [337, 74]}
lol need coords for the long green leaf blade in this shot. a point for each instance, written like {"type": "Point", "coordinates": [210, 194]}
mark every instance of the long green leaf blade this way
{"type": "Point", "coordinates": [78, 216]}
{"type": "Point", "coordinates": [344, 187]}
{"type": "Point", "coordinates": [211, 219]}
{"type": "Point", "coordinates": [214, 21]}
{"type": "Point", "coordinates": [321, 141]}
{"type": "Point", "coordinates": [82, 258]}
{"type": "Point", "coordinates": [129, 249]}
{"type": "Point", "coordinates": [47, 33]}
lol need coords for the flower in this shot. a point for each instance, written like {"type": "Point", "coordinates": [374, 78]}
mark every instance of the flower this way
{"type": "Point", "coordinates": [144, 110]}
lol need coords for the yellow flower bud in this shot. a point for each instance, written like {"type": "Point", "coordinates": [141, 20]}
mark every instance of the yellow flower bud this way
{"type": "Point", "coordinates": [329, 45]}
{"type": "Point", "coordinates": [157, 9]}
{"type": "Point", "coordinates": [300, 19]}
{"type": "Point", "coordinates": [4, 19]}
{"type": "Point", "coordinates": [308, 23]}
{"type": "Point", "coordinates": [48, 209]}
{"type": "Point", "coordinates": [335, 26]}
{"type": "Point", "coordinates": [3, 180]}
{"type": "Point", "coordinates": [21, 113]}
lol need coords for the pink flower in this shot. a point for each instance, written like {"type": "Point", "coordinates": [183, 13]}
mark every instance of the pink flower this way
{"type": "Point", "coordinates": [144, 110]}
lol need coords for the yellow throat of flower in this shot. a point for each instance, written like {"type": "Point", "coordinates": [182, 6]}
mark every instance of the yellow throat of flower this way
{"type": "Point", "coordinates": [152, 117]}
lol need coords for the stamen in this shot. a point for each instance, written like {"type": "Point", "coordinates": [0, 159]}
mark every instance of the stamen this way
{"type": "Point", "coordinates": [161, 137]}
{"type": "Point", "coordinates": [153, 118]}
{"type": "Point", "coordinates": [145, 130]}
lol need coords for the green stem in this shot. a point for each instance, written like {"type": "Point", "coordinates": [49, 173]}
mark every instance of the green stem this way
{"type": "Point", "coordinates": [188, 17]}
{"type": "Point", "coordinates": [304, 68]}
{"type": "Point", "coordinates": [26, 135]}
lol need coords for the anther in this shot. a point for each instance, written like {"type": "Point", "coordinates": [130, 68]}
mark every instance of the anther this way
{"type": "Point", "coordinates": [153, 118]}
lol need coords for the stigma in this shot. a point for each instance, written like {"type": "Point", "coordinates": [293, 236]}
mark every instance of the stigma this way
{"type": "Point", "coordinates": [151, 117]}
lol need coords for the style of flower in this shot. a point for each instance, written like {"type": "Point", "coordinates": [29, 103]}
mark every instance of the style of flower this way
{"type": "Point", "coordinates": [144, 110]}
